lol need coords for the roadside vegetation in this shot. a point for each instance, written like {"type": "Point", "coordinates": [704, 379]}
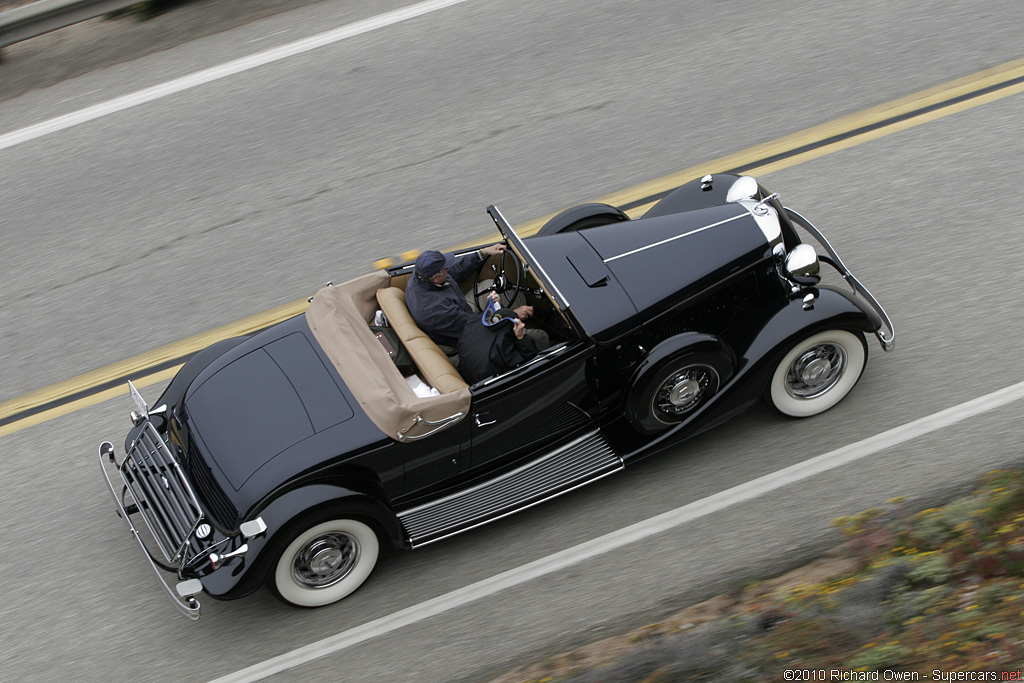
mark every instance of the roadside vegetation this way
{"type": "Point", "coordinates": [937, 590]}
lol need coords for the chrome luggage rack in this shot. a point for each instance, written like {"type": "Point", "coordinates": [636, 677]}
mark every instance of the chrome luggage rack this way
{"type": "Point", "coordinates": [887, 336]}
{"type": "Point", "coordinates": [155, 488]}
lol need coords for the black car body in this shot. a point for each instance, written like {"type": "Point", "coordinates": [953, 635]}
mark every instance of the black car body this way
{"type": "Point", "coordinates": [286, 457]}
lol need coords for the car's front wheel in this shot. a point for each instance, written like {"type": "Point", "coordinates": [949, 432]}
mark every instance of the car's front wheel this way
{"type": "Point", "coordinates": [817, 373]}
{"type": "Point", "coordinates": [325, 562]}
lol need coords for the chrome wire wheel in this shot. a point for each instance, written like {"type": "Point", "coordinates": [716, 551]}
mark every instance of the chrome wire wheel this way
{"type": "Point", "coordinates": [325, 560]}
{"type": "Point", "coordinates": [817, 373]}
{"type": "Point", "coordinates": [817, 370]}
{"type": "Point", "coordinates": [683, 390]}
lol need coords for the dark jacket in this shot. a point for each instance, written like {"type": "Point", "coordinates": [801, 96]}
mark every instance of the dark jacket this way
{"type": "Point", "coordinates": [442, 311]}
{"type": "Point", "coordinates": [485, 351]}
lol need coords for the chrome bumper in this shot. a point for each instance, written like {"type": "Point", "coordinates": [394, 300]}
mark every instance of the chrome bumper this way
{"type": "Point", "coordinates": [184, 592]}
{"type": "Point", "coordinates": [886, 336]}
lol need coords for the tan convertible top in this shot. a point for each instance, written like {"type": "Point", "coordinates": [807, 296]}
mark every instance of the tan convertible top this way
{"type": "Point", "coordinates": [339, 317]}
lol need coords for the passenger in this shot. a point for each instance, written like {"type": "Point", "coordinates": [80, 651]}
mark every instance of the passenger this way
{"type": "Point", "coordinates": [493, 344]}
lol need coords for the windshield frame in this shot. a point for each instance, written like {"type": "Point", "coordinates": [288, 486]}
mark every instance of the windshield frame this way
{"type": "Point", "coordinates": [518, 244]}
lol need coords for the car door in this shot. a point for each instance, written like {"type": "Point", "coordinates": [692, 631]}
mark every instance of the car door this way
{"type": "Point", "coordinates": [532, 408]}
{"type": "Point", "coordinates": [435, 460]}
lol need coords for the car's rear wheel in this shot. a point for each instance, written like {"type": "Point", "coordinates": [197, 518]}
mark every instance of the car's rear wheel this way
{"type": "Point", "coordinates": [817, 373]}
{"type": "Point", "coordinates": [325, 562]}
{"type": "Point", "coordinates": [675, 391]}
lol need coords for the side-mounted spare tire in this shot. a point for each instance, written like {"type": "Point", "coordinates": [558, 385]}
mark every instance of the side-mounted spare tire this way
{"type": "Point", "coordinates": [675, 389]}
{"type": "Point", "coordinates": [582, 217]}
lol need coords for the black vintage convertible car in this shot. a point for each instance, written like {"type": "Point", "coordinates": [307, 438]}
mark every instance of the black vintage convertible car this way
{"type": "Point", "coordinates": [287, 457]}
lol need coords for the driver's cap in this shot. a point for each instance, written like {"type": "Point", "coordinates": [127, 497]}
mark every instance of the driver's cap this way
{"type": "Point", "coordinates": [430, 263]}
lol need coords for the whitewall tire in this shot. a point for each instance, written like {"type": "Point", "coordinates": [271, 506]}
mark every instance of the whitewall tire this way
{"type": "Point", "coordinates": [324, 563]}
{"type": "Point", "coordinates": [817, 373]}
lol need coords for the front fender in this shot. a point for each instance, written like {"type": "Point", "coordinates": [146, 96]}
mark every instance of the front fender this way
{"type": "Point", "coordinates": [246, 574]}
{"type": "Point", "coordinates": [832, 309]}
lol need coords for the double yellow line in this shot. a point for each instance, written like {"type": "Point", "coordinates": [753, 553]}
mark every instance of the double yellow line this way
{"type": "Point", "coordinates": [849, 131]}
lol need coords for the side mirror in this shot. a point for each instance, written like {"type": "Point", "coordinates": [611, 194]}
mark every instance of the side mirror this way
{"type": "Point", "coordinates": [802, 266]}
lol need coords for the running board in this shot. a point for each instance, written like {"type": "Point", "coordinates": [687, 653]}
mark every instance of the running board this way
{"type": "Point", "coordinates": [580, 462]}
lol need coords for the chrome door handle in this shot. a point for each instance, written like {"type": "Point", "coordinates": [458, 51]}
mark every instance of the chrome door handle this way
{"type": "Point", "coordinates": [482, 424]}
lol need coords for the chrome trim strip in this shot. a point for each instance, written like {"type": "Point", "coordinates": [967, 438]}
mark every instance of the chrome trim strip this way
{"type": "Point", "coordinates": [767, 220]}
{"type": "Point", "coordinates": [546, 353]}
{"type": "Point", "coordinates": [443, 422]}
{"type": "Point", "coordinates": [459, 253]}
{"type": "Point", "coordinates": [888, 342]}
{"type": "Point", "coordinates": [676, 237]}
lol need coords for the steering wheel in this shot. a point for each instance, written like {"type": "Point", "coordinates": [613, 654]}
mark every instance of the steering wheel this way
{"type": "Point", "coordinates": [505, 284]}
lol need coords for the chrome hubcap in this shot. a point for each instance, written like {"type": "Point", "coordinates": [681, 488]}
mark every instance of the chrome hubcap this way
{"type": "Point", "coordinates": [817, 370]}
{"type": "Point", "coordinates": [682, 391]}
{"type": "Point", "coordinates": [325, 560]}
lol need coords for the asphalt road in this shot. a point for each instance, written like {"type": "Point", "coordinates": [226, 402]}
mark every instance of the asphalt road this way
{"type": "Point", "coordinates": [169, 218]}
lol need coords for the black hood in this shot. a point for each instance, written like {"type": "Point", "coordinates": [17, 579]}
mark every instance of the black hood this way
{"type": "Point", "coordinates": [666, 259]}
{"type": "Point", "coordinates": [619, 276]}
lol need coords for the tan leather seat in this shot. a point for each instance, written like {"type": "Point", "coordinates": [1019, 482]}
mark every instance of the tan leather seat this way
{"type": "Point", "coordinates": [437, 371]}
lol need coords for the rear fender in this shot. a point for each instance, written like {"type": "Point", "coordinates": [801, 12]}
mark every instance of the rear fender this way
{"type": "Point", "coordinates": [248, 573]}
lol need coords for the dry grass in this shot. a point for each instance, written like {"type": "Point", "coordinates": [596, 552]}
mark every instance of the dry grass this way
{"type": "Point", "coordinates": [908, 592]}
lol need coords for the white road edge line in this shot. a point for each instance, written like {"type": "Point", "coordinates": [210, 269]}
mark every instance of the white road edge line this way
{"type": "Point", "coordinates": [631, 534]}
{"type": "Point", "coordinates": [221, 71]}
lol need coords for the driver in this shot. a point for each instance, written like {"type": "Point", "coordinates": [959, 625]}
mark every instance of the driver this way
{"type": "Point", "coordinates": [434, 299]}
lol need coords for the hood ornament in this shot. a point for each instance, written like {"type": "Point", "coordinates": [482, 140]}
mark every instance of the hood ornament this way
{"type": "Point", "coordinates": [761, 208]}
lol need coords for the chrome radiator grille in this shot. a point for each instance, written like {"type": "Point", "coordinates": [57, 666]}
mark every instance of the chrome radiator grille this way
{"type": "Point", "coordinates": [161, 493]}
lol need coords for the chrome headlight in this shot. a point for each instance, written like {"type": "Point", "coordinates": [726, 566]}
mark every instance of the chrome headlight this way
{"type": "Point", "coordinates": [802, 266]}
